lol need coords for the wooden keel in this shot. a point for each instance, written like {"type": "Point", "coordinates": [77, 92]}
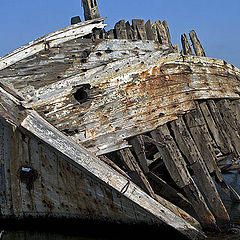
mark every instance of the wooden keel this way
{"type": "Point", "coordinates": [178, 170]}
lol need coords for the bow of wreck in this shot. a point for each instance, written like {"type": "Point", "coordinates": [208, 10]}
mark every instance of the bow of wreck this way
{"type": "Point", "coordinates": [118, 126]}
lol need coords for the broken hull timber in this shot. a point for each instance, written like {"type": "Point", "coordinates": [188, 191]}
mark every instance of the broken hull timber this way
{"type": "Point", "coordinates": [118, 98]}
{"type": "Point", "coordinates": [45, 174]}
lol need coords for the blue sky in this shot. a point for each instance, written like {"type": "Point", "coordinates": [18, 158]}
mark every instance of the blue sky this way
{"type": "Point", "coordinates": [215, 21]}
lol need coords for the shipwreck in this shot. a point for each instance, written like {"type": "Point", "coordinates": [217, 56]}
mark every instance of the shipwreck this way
{"type": "Point", "coordinates": [119, 126]}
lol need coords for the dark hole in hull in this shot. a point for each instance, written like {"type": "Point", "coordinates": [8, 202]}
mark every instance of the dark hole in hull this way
{"type": "Point", "coordinates": [81, 94]}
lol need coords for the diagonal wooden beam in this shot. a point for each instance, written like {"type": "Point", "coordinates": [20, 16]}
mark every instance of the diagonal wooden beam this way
{"type": "Point", "coordinates": [177, 168]}
{"type": "Point", "coordinates": [188, 147]}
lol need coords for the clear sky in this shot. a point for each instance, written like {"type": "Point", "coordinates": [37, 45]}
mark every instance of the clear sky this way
{"type": "Point", "coordinates": [215, 21]}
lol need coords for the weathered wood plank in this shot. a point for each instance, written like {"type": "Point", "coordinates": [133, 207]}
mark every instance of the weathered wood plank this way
{"type": "Point", "coordinates": [151, 31]}
{"type": "Point", "coordinates": [177, 168]}
{"type": "Point", "coordinates": [113, 165]}
{"type": "Point", "coordinates": [139, 27]}
{"type": "Point", "coordinates": [139, 148]}
{"type": "Point", "coordinates": [231, 125]}
{"type": "Point", "coordinates": [215, 130]}
{"type": "Point", "coordinates": [51, 40]}
{"type": "Point", "coordinates": [90, 9]}
{"type": "Point", "coordinates": [197, 127]}
{"type": "Point", "coordinates": [165, 24]}
{"type": "Point", "coordinates": [111, 34]}
{"type": "Point", "coordinates": [222, 125]}
{"type": "Point", "coordinates": [187, 50]}
{"type": "Point", "coordinates": [235, 109]}
{"type": "Point", "coordinates": [169, 192]}
{"type": "Point", "coordinates": [199, 51]}
{"type": "Point", "coordinates": [162, 33]}
{"type": "Point", "coordinates": [43, 130]}
{"type": "Point", "coordinates": [130, 31]}
{"type": "Point", "coordinates": [189, 149]}
{"type": "Point", "coordinates": [131, 162]}
{"type": "Point", "coordinates": [120, 29]}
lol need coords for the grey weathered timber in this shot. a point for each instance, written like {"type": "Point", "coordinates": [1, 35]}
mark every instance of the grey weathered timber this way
{"type": "Point", "coordinates": [169, 192]}
{"type": "Point", "coordinates": [51, 154]}
{"type": "Point", "coordinates": [51, 40]}
{"type": "Point", "coordinates": [82, 92]}
{"type": "Point", "coordinates": [235, 109]}
{"type": "Point", "coordinates": [177, 168]}
{"type": "Point", "coordinates": [230, 121]}
{"type": "Point", "coordinates": [151, 31]}
{"type": "Point", "coordinates": [190, 150]}
{"type": "Point", "coordinates": [226, 131]}
{"type": "Point", "coordinates": [165, 24]}
{"type": "Point", "coordinates": [133, 165]}
{"type": "Point", "coordinates": [130, 31]}
{"type": "Point", "coordinates": [111, 34]}
{"type": "Point", "coordinates": [197, 127]}
{"type": "Point", "coordinates": [199, 51]}
{"type": "Point", "coordinates": [187, 50]}
{"type": "Point", "coordinates": [120, 29]}
{"type": "Point", "coordinates": [139, 148]}
{"type": "Point", "coordinates": [163, 36]}
{"type": "Point", "coordinates": [90, 9]}
{"type": "Point", "coordinates": [139, 28]}
{"type": "Point", "coordinates": [75, 20]}
{"type": "Point", "coordinates": [224, 146]}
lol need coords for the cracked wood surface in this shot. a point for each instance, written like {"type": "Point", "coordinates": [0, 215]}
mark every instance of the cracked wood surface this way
{"type": "Point", "coordinates": [133, 88]}
{"type": "Point", "coordinates": [35, 128]}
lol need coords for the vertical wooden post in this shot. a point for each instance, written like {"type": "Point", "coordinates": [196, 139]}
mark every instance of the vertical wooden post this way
{"type": "Point", "coordinates": [187, 50]}
{"type": "Point", "coordinates": [90, 9]}
{"type": "Point", "coordinates": [199, 51]}
{"type": "Point", "coordinates": [121, 31]}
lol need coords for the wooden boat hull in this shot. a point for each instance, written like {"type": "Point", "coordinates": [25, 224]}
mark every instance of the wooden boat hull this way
{"type": "Point", "coordinates": [67, 98]}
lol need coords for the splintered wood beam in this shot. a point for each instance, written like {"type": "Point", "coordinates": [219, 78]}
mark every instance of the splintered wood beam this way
{"type": "Point", "coordinates": [130, 31]}
{"type": "Point", "coordinates": [139, 27]}
{"type": "Point", "coordinates": [235, 109]}
{"type": "Point", "coordinates": [199, 51]}
{"type": "Point", "coordinates": [151, 31]}
{"type": "Point", "coordinates": [231, 122]}
{"type": "Point", "coordinates": [165, 24]}
{"type": "Point", "coordinates": [132, 164]}
{"type": "Point", "coordinates": [169, 192]}
{"type": "Point", "coordinates": [224, 144]}
{"type": "Point", "coordinates": [139, 148]}
{"type": "Point", "coordinates": [121, 31]}
{"type": "Point", "coordinates": [199, 131]}
{"type": "Point", "coordinates": [187, 50]}
{"type": "Point", "coordinates": [227, 131]}
{"type": "Point", "coordinates": [189, 149]}
{"type": "Point", "coordinates": [177, 169]}
{"type": "Point", "coordinates": [51, 40]}
{"type": "Point", "coordinates": [162, 34]}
